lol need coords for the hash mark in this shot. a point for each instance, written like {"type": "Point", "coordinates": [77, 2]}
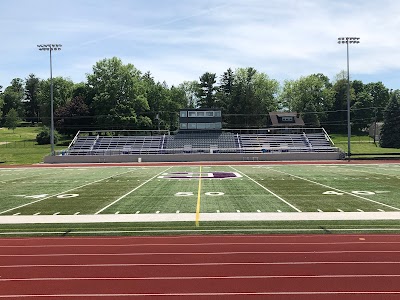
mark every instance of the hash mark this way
{"type": "Point", "coordinates": [279, 210]}
{"type": "Point", "coordinates": [77, 213]}
{"type": "Point", "coordinates": [117, 212]}
{"type": "Point", "coordinates": [38, 213]}
{"type": "Point", "coordinates": [137, 212]}
{"type": "Point", "coordinates": [381, 210]}
{"type": "Point", "coordinates": [16, 214]}
{"type": "Point", "coordinates": [360, 210]}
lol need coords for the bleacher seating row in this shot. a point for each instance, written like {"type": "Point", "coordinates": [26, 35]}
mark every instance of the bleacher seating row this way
{"type": "Point", "coordinates": [214, 142]}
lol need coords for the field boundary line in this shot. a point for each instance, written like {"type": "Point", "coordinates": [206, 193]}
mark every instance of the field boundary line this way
{"type": "Point", "coordinates": [75, 188]}
{"type": "Point", "coordinates": [268, 190]}
{"type": "Point", "coordinates": [336, 189]}
{"type": "Point", "coordinates": [370, 172]}
{"type": "Point", "coordinates": [123, 196]}
{"type": "Point", "coordinates": [198, 201]}
{"type": "Point", "coordinates": [195, 231]}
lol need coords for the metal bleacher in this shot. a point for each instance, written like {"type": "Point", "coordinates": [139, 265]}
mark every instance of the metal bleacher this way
{"type": "Point", "coordinates": [202, 142]}
{"type": "Point", "coordinates": [115, 145]}
{"type": "Point", "coordinates": [264, 141]}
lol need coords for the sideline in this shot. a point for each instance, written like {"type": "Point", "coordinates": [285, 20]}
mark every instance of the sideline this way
{"type": "Point", "coordinates": [188, 217]}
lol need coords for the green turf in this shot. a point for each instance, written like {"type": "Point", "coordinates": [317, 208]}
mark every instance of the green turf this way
{"type": "Point", "coordinates": [129, 190]}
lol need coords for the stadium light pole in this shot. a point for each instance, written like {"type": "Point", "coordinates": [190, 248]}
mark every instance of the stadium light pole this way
{"type": "Point", "coordinates": [50, 48]}
{"type": "Point", "coordinates": [347, 41]}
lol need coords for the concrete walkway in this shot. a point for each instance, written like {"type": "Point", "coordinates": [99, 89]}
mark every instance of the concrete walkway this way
{"type": "Point", "coordinates": [191, 217]}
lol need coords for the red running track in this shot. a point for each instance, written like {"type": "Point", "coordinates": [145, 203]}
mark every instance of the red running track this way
{"type": "Point", "coordinates": [202, 267]}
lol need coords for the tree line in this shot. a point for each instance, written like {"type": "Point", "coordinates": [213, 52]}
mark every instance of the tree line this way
{"type": "Point", "coordinates": [119, 96]}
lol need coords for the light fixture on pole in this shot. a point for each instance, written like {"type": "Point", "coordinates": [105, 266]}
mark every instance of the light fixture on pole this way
{"type": "Point", "coordinates": [50, 48]}
{"type": "Point", "coordinates": [347, 41]}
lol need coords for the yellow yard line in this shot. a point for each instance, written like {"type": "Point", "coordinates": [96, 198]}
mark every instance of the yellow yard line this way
{"type": "Point", "coordinates": [198, 201]}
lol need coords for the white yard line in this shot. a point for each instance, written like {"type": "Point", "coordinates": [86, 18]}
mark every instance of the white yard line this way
{"type": "Point", "coordinates": [81, 186]}
{"type": "Point", "coordinates": [130, 192]}
{"type": "Point", "coordinates": [338, 190]}
{"type": "Point", "coordinates": [268, 190]}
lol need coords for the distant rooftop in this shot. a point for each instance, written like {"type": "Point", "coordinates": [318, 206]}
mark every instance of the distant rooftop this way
{"type": "Point", "coordinates": [286, 119]}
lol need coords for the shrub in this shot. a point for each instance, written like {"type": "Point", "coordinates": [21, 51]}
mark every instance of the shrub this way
{"type": "Point", "coordinates": [43, 137]}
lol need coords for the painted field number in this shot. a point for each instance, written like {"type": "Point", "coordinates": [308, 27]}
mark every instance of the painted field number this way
{"type": "Point", "coordinates": [364, 193]}
{"type": "Point", "coordinates": [65, 196]}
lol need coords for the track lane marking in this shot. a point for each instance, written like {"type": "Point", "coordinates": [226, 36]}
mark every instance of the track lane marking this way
{"type": "Point", "coordinates": [358, 242]}
{"type": "Point", "coordinates": [130, 192]}
{"type": "Point", "coordinates": [203, 294]}
{"type": "Point", "coordinates": [198, 253]}
{"type": "Point", "coordinates": [268, 190]}
{"type": "Point", "coordinates": [200, 277]}
{"type": "Point", "coordinates": [204, 264]}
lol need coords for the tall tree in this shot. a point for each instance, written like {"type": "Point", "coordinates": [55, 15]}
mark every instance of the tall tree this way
{"type": "Point", "coordinates": [314, 89]}
{"type": "Point", "coordinates": [337, 116]}
{"type": "Point", "coordinates": [190, 88]}
{"type": "Point", "coordinates": [13, 96]}
{"type": "Point", "coordinates": [380, 96]}
{"type": "Point", "coordinates": [72, 117]}
{"type": "Point", "coordinates": [225, 90]}
{"type": "Point", "coordinates": [254, 95]}
{"type": "Point", "coordinates": [31, 98]}
{"type": "Point", "coordinates": [310, 115]}
{"type": "Point", "coordinates": [390, 132]}
{"type": "Point", "coordinates": [62, 94]}
{"type": "Point", "coordinates": [362, 111]}
{"type": "Point", "coordinates": [12, 119]}
{"type": "Point", "coordinates": [206, 91]}
{"type": "Point", "coordinates": [119, 95]}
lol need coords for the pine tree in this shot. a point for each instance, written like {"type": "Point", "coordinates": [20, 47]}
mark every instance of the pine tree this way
{"type": "Point", "coordinates": [12, 119]}
{"type": "Point", "coordinates": [390, 132]}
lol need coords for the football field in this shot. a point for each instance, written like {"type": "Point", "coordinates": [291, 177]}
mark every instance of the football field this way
{"type": "Point", "coordinates": [199, 189]}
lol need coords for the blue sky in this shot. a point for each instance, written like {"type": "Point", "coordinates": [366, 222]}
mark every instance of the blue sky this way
{"type": "Point", "coordinates": [178, 40]}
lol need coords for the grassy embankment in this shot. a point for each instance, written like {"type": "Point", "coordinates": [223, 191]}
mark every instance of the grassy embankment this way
{"type": "Point", "coordinates": [363, 144]}
{"type": "Point", "coordinates": [20, 147]}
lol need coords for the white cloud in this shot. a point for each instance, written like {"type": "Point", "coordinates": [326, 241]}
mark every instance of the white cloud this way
{"type": "Point", "coordinates": [179, 40]}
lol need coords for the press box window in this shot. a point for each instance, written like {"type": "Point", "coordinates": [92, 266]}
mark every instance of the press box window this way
{"type": "Point", "coordinates": [192, 114]}
{"type": "Point", "coordinates": [183, 114]}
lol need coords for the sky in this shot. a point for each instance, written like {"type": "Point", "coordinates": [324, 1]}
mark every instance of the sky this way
{"type": "Point", "coordinates": [179, 40]}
